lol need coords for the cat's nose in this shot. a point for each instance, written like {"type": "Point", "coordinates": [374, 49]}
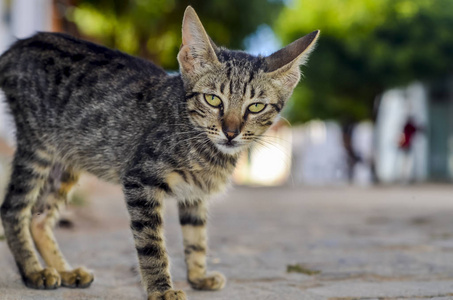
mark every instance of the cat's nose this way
{"type": "Point", "coordinates": [231, 134]}
{"type": "Point", "coordinates": [231, 127]}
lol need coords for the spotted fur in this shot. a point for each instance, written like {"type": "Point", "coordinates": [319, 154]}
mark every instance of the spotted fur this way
{"type": "Point", "coordinates": [79, 107]}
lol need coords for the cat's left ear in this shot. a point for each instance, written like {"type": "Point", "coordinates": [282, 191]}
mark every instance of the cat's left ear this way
{"type": "Point", "coordinates": [197, 49]}
{"type": "Point", "coordinates": [283, 65]}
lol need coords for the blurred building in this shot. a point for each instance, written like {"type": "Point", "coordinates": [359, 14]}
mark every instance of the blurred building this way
{"type": "Point", "coordinates": [430, 106]}
{"type": "Point", "coordinates": [399, 107]}
{"type": "Point", "coordinates": [310, 154]}
{"type": "Point", "coordinates": [318, 155]}
{"type": "Point", "coordinates": [440, 129]}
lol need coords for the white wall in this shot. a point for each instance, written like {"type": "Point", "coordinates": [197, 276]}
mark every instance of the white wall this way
{"type": "Point", "coordinates": [5, 41]}
{"type": "Point", "coordinates": [395, 107]}
{"type": "Point", "coordinates": [319, 155]}
{"type": "Point", "coordinates": [29, 16]}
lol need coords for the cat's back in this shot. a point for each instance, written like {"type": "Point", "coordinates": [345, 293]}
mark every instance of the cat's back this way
{"type": "Point", "coordinates": [47, 51]}
{"type": "Point", "coordinates": [83, 100]}
{"type": "Point", "coordinates": [57, 81]}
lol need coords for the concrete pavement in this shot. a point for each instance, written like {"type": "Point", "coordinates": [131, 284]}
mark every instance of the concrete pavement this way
{"type": "Point", "coordinates": [342, 243]}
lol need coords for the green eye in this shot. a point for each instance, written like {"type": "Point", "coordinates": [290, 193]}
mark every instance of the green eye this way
{"type": "Point", "coordinates": [256, 107]}
{"type": "Point", "coordinates": [212, 100]}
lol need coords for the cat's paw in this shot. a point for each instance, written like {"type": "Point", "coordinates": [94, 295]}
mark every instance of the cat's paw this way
{"type": "Point", "coordinates": [47, 279]}
{"type": "Point", "coordinates": [168, 295]}
{"type": "Point", "coordinates": [211, 282]}
{"type": "Point", "coordinates": [77, 278]}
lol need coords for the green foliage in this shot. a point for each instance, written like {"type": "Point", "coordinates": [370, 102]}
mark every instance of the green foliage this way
{"type": "Point", "coordinates": [152, 29]}
{"type": "Point", "coordinates": [366, 46]}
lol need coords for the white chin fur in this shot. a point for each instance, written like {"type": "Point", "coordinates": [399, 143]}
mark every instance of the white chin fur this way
{"type": "Point", "coordinates": [229, 150]}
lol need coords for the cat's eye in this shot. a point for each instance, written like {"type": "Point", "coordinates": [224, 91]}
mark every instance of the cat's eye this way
{"type": "Point", "coordinates": [256, 107]}
{"type": "Point", "coordinates": [212, 100]}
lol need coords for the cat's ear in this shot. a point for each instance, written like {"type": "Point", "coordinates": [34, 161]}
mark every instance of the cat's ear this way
{"type": "Point", "coordinates": [197, 50]}
{"type": "Point", "coordinates": [283, 65]}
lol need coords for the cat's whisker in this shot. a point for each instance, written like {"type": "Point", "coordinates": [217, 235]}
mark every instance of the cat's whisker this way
{"type": "Point", "coordinates": [275, 137]}
{"type": "Point", "coordinates": [186, 140]}
{"type": "Point", "coordinates": [269, 142]}
{"type": "Point", "coordinates": [272, 146]}
{"type": "Point", "coordinates": [184, 132]}
{"type": "Point", "coordinates": [286, 162]}
{"type": "Point", "coordinates": [179, 133]}
{"type": "Point", "coordinates": [286, 120]}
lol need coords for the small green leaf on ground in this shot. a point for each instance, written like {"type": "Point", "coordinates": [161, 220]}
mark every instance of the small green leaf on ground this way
{"type": "Point", "coordinates": [297, 268]}
{"type": "Point", "coordinates": [2, 237]}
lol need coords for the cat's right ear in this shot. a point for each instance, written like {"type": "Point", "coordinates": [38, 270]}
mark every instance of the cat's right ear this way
{"type": "Point", "coordinates": [197, 50]}
{"type": "Point", "coordinates": [283, 65]}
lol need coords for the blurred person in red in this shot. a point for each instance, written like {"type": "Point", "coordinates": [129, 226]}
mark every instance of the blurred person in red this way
{"type": "Point", "coordinates": [406, 142]}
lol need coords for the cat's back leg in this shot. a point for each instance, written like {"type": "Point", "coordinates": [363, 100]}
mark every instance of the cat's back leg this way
{"type": "Point", "coordinates": [60, 182]}
{"type": "Point", "coordinates": [30, 170]}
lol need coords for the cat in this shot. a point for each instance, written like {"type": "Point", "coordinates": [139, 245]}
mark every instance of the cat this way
{"type": "Point", "coordinates": [80, 107]}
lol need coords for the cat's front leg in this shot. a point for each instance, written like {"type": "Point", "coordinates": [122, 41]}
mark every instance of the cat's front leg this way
{"type": "Point", "coordinates": [144, 197]}
{"type": "Point", "coordinates": [193, 217]}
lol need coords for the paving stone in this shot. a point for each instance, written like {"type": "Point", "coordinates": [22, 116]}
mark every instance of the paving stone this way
{"type": "Point", "coordinates": [375, 243]}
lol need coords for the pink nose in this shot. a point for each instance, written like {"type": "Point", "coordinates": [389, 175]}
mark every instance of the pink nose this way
{"type": "Point", "coordinates": [231, 134]}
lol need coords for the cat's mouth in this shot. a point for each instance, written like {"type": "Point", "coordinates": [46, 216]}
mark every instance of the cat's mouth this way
{"type": "Point", "coordinates": [229, 144]}
{"type": "Point", "coordinates": [229, 147]}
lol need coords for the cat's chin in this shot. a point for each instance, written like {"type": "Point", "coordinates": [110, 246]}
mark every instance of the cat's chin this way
{"type": "Point", "coordinates": [230, 149]}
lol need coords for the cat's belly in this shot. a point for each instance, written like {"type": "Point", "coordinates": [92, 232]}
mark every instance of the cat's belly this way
{"type": "Point", "coordinates": [190, 186]}
{"type": "Point", "coordinates": [96, 165]}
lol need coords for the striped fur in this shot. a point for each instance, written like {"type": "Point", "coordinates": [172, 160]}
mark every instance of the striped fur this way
{"type": "Point", "coordinates": [79, 107]}
{"type": "Point", "coordinates": [193, 219]}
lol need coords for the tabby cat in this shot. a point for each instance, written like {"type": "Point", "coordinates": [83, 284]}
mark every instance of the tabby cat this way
{"type": "Point", "coordinates": [79, 107]}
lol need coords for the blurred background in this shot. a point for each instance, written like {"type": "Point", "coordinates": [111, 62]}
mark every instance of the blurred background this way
{"type": "Point", "coordinates": [373, 107]}
{"type": "Point", "coordinates": [374, 110]}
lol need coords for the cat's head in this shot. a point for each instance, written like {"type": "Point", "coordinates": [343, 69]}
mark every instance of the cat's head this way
{"type": "Point", "coordinates": [235, 96]}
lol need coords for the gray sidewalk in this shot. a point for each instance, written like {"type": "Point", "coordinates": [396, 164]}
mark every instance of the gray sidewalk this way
{"type": "Point", "coordinates": [341, 243]}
